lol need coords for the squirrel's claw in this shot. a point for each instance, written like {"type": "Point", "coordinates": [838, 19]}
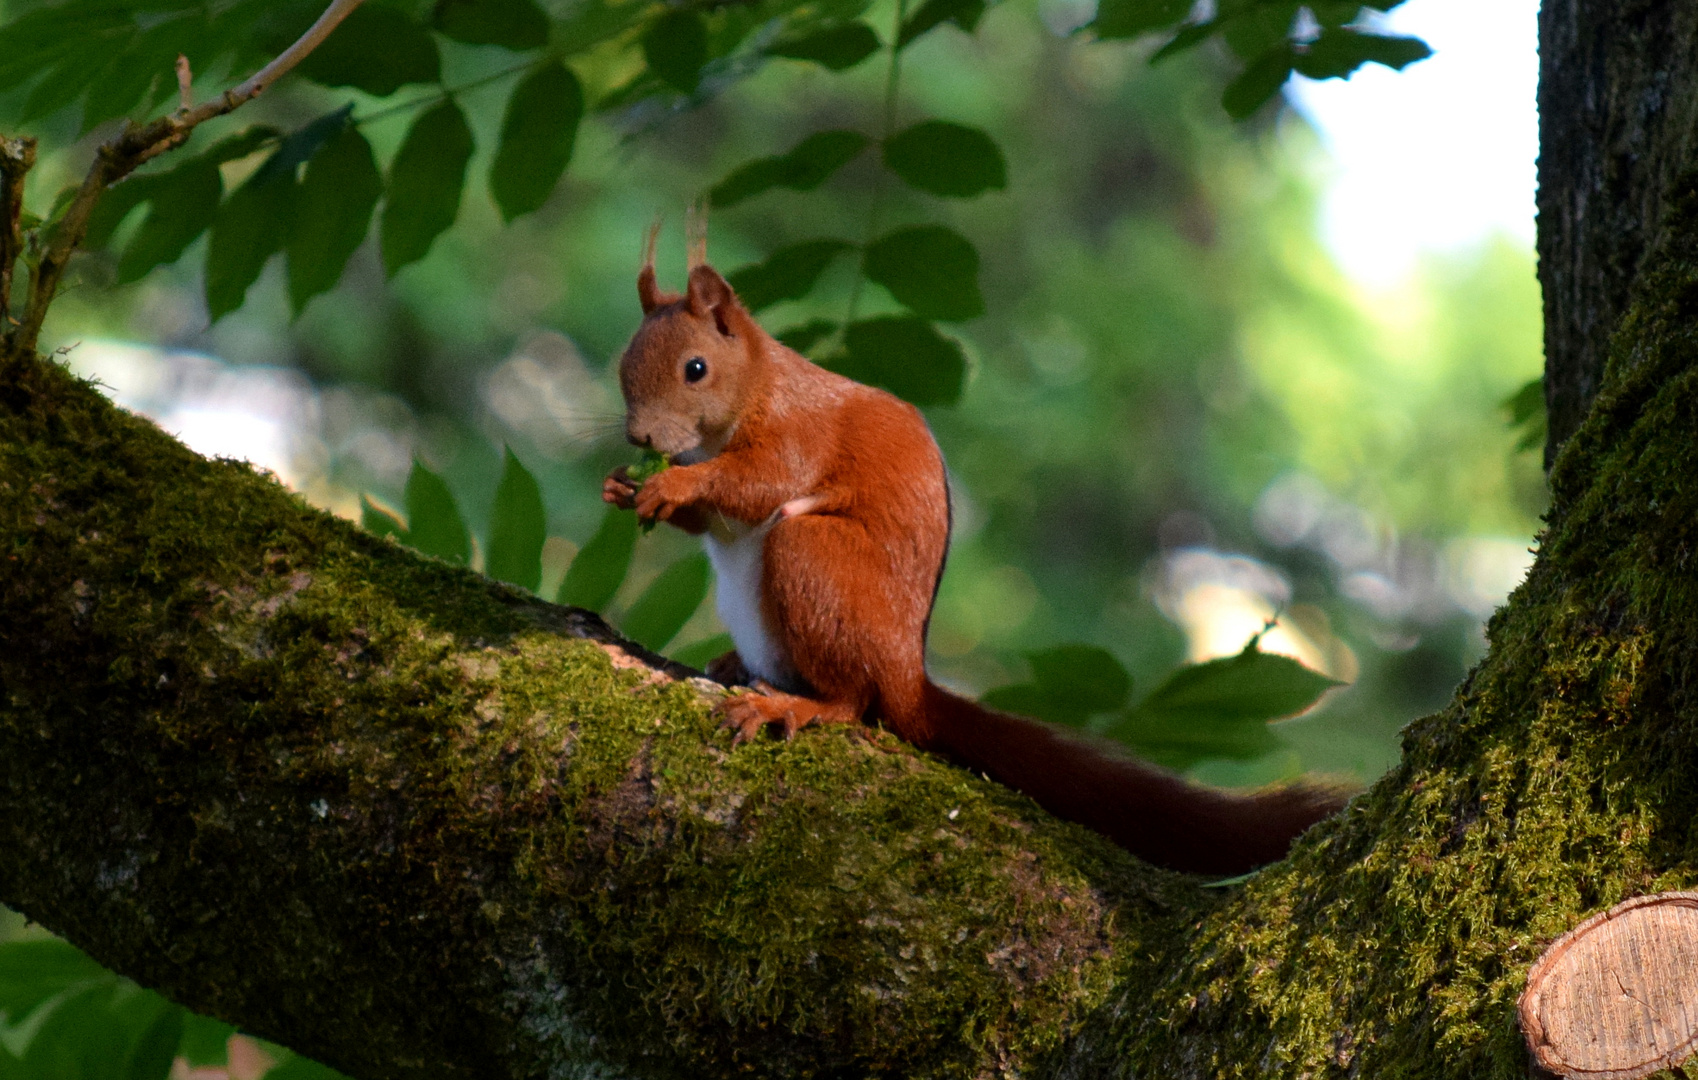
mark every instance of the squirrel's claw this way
{"type": "Point", "coordinates": [619, 490]}
{"type": "Point", "coordinates": [749, 713]}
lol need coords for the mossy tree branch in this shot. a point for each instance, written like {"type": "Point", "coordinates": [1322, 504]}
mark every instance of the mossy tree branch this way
{"type": "Point", "coordinates": [416, 823]}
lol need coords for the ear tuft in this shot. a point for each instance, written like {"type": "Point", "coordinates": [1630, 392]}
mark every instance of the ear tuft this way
{"type": "Point", "coordinates": [648, 292]}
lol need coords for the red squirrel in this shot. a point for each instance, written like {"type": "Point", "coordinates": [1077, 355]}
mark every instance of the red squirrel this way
{"type": "Point", "coordinates": [824, 509]}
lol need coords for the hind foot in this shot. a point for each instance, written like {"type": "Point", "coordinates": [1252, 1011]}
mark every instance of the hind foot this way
{"type": "Point", "coordinates": [748, 713]}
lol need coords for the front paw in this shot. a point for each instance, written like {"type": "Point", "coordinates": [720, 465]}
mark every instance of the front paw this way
{"type": "Point", "coordinates": [619, 489]}
{"type": "Point", "coordinates": [664, 494]}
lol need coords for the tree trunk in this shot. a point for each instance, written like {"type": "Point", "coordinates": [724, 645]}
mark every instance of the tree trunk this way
{"type": "Point", "coordinates": [417, 824]}
{"type": "Point", "coordinates": [1618, 120]}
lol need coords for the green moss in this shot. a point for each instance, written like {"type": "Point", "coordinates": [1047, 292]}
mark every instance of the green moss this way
{"type": "Point", "coordinates": [383, 809]}
{"type": "Point", "coordinates": [1562, 779]}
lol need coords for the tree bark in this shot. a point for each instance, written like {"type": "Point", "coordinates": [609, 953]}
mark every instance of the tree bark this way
{"type": "Point", "coordinates": [1618, 116]}
{"type": "Point", "coordinates": [418, 824]}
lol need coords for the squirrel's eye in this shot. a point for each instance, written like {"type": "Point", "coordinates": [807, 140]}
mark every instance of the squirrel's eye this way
{"type": "Point", "coordinates": [695, 369]}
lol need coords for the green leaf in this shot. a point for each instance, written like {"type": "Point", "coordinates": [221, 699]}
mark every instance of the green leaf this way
{"type": "Point", "coordinates": [512, 24]}
{"type": "Point", "coordinates": [136, 75]}
{"type": "Point", "coordinates": [1023, 699]}
{"type": "Point", "coordinates": [1526, 409]}
{"type": "Point", "coordinates": [808, 165]}
{"type": "Point", "coordinates": [115, 205]}
{"type": "Point", "coordinates": [251, 226]}
{"type": "Point", "coordinates": [1132, 18]}
{"type": "Point", "coordinates": [1069, 684]}
{"type": "Point", "coordinates": [806, 336]}
{"type": "Point", "coordinates": [932, 269]}
{"type": "Point", "coordinates": [425, 181]}
{"type": "Point", "coordinates": [1253, 685]}
{"type": "Point", "coordinates": [789, 273]}
{"type": "Point", "coordinates": [31, 972]}
{"type": "Point", "coordinates": [518, 525]}
{"type": "Point", "coordinates": [904, 355]}
{"type": "Point", "coordinates": [299, 146]}
{"type": "Point", "coordinates": [62, 86]}
{"type": "Point", "coordinates": [676, 46]}
{"type": "Point", "coordinates": [338, 193]}
{"type": "Point", "coordinates": [699, 654]}
{"type": "Point", "coordinates": [84, 1034]}
{"type": "Point", "coordinates": [963, 13]}
{"type": "Point", "coordinates": [837, 48]}
{"type": "Point", "coordinates": [536, 139]}
{"type": "Point", "coordinates": [1221, 708]}
{"type": "Point", "coordinates": [1252, 30]}
{"type": "Point", "coordinates": [205, 1041]}
{"type": "Point", "coordinates": [183, 205]}
{"type": "Point", "coordinates": [1258, 83]}
{"type": "Point", "coordinates": [1340, 51]}
{"type": "Point", "coordinates": [1082, 679]}
{"type": "Point", "coordinates": [667, 604]}
{"type": "Point", "coordinates": [240, 145]}
{"type": "Point", "coordinates": [435, 526]}
{"type": "Point", "coordinates": [1179, 744]}
{"type": "Point", "coordinates": [297, 1067]}
{"type": "Point", "coordinates": [377, 49]}
{"type": "Point", "coordinates": [600, 566]}
{"type": "Point", "coordinates": [151, 1056]}
{"type": "Point", "coordinates": [380, 520]}
{"type": "Point", "coordinates": [947, 159]}
{"type": "Point", "coordinates": [1188, 37]}
{"type": "Point", "coordinates": [61, 34]}
{"type": "Point", "coordinates": [256, 220]}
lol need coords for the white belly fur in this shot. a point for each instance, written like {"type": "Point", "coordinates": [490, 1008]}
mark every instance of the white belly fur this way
{"type": "Point", "coordinates": [736, 551]}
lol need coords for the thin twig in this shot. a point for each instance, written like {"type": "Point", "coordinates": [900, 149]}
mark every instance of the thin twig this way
{"type": "Point", "coordinates": [185, 83]}
{"type": "Point", "coordinates": [136, 145]}
{"type": "Point", "coordinates": [17, 157]}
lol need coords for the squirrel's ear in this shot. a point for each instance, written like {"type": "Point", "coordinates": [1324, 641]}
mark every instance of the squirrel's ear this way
{"type": "Point", "coordinates": [712, 295]}
{"type": "Point", "coordinates": [648, 292]}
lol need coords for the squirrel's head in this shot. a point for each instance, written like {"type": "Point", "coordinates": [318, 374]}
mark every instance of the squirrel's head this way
{"type": "Point", "coordinates": [691, 367]}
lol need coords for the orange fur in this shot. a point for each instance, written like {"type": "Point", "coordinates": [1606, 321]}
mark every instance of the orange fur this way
{"type": "Point", "coordinates": [849, 487]}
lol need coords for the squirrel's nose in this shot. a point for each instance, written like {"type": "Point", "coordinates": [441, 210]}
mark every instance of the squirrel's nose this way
{"type": "Point", "coordinates": [635, 439]}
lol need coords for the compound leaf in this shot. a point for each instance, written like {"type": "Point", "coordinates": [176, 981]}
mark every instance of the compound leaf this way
{"type": "Point", "coordinates": [537, 134]}
{"type": "Point", "coordinates": [425, 181]}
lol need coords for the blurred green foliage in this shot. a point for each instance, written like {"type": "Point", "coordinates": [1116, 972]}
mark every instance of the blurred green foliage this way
{"type": "Point", "coordinates": [1150, 363]}
{"type": "Point", "coordinates": [1146, 336]}
{"type": "Point", "coordinates": [64, 1017]}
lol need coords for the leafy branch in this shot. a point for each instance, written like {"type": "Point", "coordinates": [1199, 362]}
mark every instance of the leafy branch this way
{"type": "Point", "coordinates": [133, 147]}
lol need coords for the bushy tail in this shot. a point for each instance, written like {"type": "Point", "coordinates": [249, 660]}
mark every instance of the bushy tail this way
{"type": "Point", "coordinates": [1157, 816]}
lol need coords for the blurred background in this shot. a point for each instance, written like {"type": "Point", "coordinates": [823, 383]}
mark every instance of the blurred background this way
{"type": "Point", "coordinates": [1228, 370]}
